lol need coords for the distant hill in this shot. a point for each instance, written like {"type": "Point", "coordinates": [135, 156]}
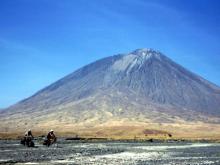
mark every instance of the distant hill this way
{"type": "Point", "coordinates": [140, 90]}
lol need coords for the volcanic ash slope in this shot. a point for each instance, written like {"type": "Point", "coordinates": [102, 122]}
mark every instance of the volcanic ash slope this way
{"type": "Point", "coordinates": [139, 91]}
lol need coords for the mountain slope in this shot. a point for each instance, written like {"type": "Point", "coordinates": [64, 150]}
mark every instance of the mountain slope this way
{"type": "Point", "coordinates": [143, 86]}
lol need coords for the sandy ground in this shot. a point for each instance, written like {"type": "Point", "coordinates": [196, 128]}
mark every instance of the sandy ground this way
{"type": "Point", "coordinates": [73, 152]}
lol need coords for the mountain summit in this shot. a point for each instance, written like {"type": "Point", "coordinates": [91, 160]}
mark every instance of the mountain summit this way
{"type": "Point", "coordinates": [140, 87]}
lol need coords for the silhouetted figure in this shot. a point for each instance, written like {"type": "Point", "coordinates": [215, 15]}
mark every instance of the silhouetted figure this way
{"type": "Point", "coordinates": [27, 140]}
{"type": "Point", "coordinates": [51, 138]}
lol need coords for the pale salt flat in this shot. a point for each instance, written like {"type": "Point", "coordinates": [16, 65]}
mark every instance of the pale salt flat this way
{"type": "Point", "coordinates": [113, 153]}
{"type": "Point", "coordinates": [136, 156]}
{"type": "Point", "coordinates": [160, 148]}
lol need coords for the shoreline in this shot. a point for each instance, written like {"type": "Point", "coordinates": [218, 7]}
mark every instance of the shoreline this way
{"type": "Point", "coordinates": [109, 140]}
{"type": "Point", "coordinates": [68, 136]}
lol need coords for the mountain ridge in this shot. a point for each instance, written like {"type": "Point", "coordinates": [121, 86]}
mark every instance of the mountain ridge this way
{"type": "Point", "coordinates": [143, 86]}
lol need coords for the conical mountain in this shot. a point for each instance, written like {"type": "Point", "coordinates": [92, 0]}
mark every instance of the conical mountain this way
{"type": "Point", "coordinates": [143, 86]}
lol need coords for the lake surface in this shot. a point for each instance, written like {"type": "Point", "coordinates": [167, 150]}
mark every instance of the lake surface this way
{"type": "Point", "coordinates": [71, 152]}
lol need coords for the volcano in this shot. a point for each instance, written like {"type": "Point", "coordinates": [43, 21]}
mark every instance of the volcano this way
{"type": "Point", "coordinates": [142, 89]}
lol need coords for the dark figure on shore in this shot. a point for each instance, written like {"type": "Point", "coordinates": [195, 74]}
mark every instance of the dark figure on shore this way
{"type": "Point", "coordinates": [51, 138]}
{"type": "Point", "coordinates": [27, 140]}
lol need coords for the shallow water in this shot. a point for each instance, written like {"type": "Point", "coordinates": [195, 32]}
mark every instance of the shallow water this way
{"type": "Point", "coordinates": [70, 152]}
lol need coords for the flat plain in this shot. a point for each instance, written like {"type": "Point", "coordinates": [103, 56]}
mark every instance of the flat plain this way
{"type": "Point", "coordinates": [78, 152]}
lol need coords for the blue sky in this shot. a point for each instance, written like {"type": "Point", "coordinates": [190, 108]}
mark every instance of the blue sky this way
{"type": "Point", "coordinates": [44, 40]}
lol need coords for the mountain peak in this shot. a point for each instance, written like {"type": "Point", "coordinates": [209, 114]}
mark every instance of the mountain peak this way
{"type": "Point", "coordinates": [146, 53]}
{"type": "Point", "coordinates": [142, 86]}
{"type": "Point", "coordinates": [144, 50]}
{"type": "Point", "coordinates": [135, 59]}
